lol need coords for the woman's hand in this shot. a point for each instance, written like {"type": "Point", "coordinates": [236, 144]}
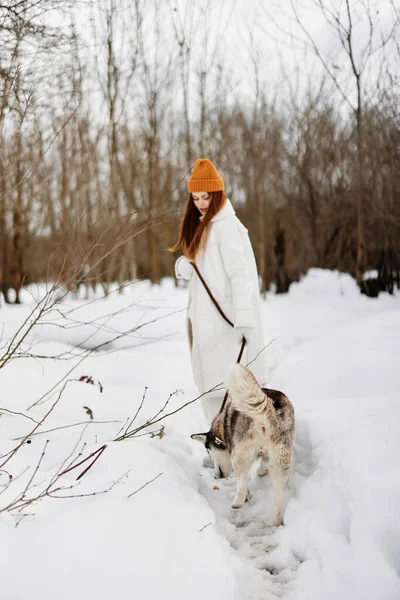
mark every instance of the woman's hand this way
{"type": "Point", "coordinates": [243, 332]}
{"type": "Point", "coordinates": [183, 268]}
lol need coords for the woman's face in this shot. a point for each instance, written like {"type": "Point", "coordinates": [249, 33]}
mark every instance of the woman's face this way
{"type": "Point", "coordinates": [202, 201]}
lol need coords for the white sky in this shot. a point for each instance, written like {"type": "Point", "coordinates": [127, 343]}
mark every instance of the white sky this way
{"type": "Point", "coordinates": [243, 35]}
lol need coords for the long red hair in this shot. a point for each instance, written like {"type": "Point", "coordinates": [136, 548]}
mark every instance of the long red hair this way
{"type": "Point", "coordinates": [192, 231]}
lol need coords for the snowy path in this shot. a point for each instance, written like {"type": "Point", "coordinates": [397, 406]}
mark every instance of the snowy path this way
{"type": "Point", "coordinates": [253, 542]}
{"type": "Point", "coordinates": [267, 561]}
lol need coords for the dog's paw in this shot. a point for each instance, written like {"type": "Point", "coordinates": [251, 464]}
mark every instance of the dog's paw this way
{"type": "Point", "coordinates": [239, 501]}
{"type": "Point", "coordinates": [274, 522]}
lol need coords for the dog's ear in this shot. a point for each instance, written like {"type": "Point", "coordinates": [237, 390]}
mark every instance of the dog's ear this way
{"type": "Point", "coordinates": [199, 437]}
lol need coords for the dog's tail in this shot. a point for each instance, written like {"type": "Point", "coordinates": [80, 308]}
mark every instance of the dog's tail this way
{"type": "Point", "coordinates": [247, 396]}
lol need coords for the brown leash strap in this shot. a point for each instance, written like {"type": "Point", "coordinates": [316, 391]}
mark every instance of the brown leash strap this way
{"type": "Point", "coordinates": [223, 315]}
{"type": "Point", "coordinates": [217, 306]}
{"type": "Point", "coordinates": [239, 358]}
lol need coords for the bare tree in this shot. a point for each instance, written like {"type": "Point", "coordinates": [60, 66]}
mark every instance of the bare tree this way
{"type": "Point", "coordinates": [185, 28]}
{"type": "Point", "coordinates": [343, 18]}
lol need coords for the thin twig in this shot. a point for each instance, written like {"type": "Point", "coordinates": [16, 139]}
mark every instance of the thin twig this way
{"type": "Point", "coordinates": [13, 412]}
{"type": "Point", "coordinates": [145, 485]}
{"type": "Point", "coordinates": [7, 473]}
{"type": "Point", "coordinates": [96, 452]}
{"type": "Point", "coordinates": [92, 422]}
{"type": "Point", "coordinates": [138, 410]}
{"type": "Point", "coordinates": [262, 350]}
{"type": "Point", "coordinates": [92, 463]}
{"type": "Point", "coordinates": [148, 423]}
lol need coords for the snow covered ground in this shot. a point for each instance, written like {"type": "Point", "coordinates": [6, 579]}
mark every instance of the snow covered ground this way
{"type": "Point", "coordinates": [334, 353]}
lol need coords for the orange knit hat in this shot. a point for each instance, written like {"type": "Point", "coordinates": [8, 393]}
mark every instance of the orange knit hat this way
{"type": "Point", "coordinates": [205, 177]}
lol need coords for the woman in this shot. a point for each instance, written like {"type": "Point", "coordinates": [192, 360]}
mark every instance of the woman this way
{"type": "Point", "coordinates": [214, 238]}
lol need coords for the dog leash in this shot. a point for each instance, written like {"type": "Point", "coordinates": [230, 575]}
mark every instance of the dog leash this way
{"type": "Point", "coordinates": [223, 315]}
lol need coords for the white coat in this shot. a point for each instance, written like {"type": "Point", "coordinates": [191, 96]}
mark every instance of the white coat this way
{"type": "Point", "coordinates": [228, 266]}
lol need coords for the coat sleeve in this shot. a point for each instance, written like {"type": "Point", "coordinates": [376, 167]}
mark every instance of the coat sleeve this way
{"type": "Point", "coordinates": [233, 255]}
{"type": "Point", "coordinates": [183, 269]}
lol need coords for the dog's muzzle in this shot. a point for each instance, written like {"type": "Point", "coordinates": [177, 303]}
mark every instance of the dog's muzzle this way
{"type": "Point", "coordinates": [220, 474]}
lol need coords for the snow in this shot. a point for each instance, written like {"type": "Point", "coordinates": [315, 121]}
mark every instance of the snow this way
{"type": "Point", "coordinates": [332, 351]}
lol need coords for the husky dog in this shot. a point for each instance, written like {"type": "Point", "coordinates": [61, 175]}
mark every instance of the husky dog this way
{"type": "Point", "coordinates": [253, 423]}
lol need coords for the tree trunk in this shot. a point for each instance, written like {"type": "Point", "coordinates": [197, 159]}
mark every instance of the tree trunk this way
{"type": "Point", "coordinates": [361, 249]}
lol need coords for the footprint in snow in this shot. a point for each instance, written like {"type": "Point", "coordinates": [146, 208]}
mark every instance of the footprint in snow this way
{"type": "Point", "coordinates": [267, 567]}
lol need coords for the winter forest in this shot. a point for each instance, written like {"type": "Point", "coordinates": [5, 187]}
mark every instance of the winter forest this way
{"type": "Point", "coordinates": [105, 105]}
